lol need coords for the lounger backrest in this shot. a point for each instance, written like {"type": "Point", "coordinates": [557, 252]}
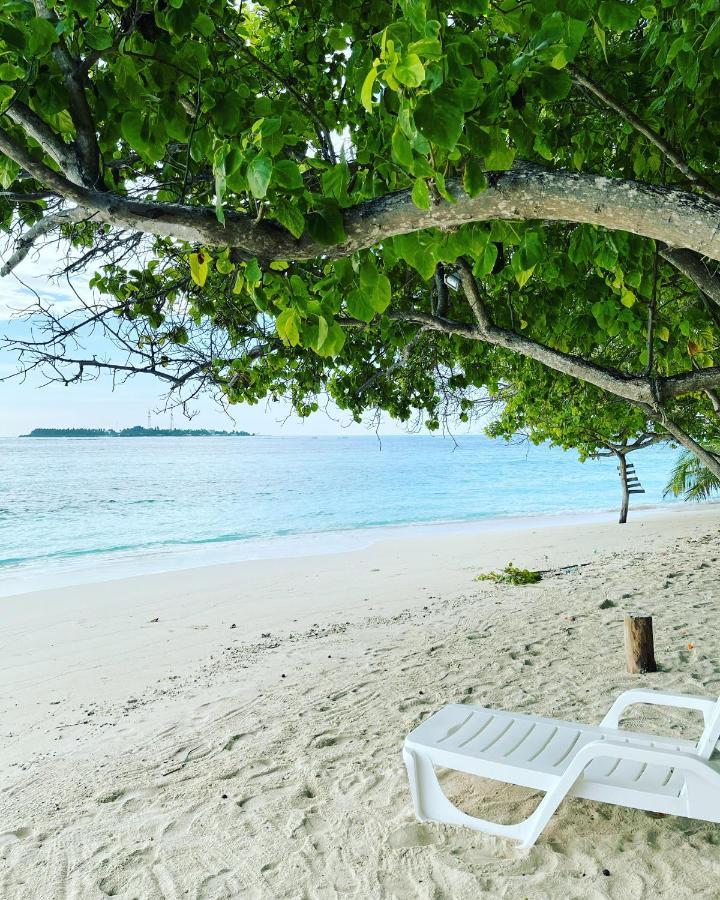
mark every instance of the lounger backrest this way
{"type": "Point", "coordinates": [711, 733]}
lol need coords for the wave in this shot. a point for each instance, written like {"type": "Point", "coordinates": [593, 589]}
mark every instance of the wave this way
{"type": "Point", "coordinates": [171, 543]}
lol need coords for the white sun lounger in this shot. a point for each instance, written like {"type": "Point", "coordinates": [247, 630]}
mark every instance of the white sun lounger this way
{"type": "Point", "coordinates": [640, 771]}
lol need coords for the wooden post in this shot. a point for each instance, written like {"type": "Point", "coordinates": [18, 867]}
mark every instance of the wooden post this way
{"type": "Point", "coordinates": [639, 646]}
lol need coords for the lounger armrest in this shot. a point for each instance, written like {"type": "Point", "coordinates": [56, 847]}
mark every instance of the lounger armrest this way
{"type": "Point", "coordinates": [652, 755]}
{"type": "Point", "coordinates": [705, 705]}
{"type": "Point", "coordinates": [702, 775]}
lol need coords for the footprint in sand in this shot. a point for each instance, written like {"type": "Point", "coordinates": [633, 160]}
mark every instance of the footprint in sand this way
{"type": "Point", "coordinates": [112, 796]}
{"type": "Point", "coordinates": [412, 836]}
{"type": "Point", "coordinates": [17, 834]}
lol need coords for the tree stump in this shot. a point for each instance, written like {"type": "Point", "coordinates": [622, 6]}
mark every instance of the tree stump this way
{"type": "Point", "coordinates": [639, 646]}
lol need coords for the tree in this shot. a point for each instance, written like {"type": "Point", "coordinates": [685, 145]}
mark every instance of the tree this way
{"type": "Point", "coordinates": [554, 409]}
{"type": "Point", "coordinates": [274, 196]}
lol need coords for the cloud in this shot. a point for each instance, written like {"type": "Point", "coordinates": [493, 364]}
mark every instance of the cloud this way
{"type": "Point", "coordinates": [31, 279]}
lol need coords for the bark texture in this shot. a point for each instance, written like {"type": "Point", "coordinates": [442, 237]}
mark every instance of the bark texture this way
{"type": "Point", "coordinates": [625, 503]}
{"type": "Point", "coordinates": [677, 218]}
{"type": "Point", "coordinates": [639, 644]}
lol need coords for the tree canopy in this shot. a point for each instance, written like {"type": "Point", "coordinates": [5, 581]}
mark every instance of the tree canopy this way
{"type": "Point", "coordinates": [412, 206]}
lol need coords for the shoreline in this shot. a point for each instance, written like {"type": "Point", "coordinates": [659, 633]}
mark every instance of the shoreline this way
{"type": "Point", "coordinates": [95, 567]}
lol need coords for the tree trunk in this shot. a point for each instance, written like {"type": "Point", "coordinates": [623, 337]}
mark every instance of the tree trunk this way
{"type": "Point", "coordinates": [709, 460]}
{"type": "Point", "coordinates": [639, 646]}
{"type": "Point", "coordinates": [625, 493]}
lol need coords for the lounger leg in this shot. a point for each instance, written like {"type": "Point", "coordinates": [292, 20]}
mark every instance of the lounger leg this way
{"type": "Point", "coordinates": [431, 804]}
{"type": "Point", "coordinates": [412, 772]}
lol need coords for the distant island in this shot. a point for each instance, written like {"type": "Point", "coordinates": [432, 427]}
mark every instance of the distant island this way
{"type": "Point", "coordinates": [135, 431]}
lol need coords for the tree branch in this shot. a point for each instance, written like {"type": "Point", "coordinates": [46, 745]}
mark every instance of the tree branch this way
{"type": "Point", "coordinates": [63, 154]}
{"type": "Point", "coordinates": [442, 296]}
{"type": "Point", "coordinates": [668, 151]}
{"type": "Point", "coordinates": [59, 183]}
{"type": "Point", "coordinates": [526, 192]}
{"type": "Point", "coordinates": [40, 229]}
{"type": "Point", "coordinates": [85, 136]}
{"type": "Point", "coordinates": [708, 459]}
{"type": "Point", "coordinates": [693, 267]}
{"type": "Point", "coordinates": [689, 382]}
{"type": "Point", "coordinates": [435, 323]}
{"type": "Point", "coordinates": [630, 387]}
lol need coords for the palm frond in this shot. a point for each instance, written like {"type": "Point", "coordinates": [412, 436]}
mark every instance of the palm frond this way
{"type": "Point", "coordinates": [690, 477]}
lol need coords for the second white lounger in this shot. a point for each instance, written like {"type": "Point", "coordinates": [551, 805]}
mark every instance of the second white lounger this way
{"type": "Point", "coordinates": [641, 771]}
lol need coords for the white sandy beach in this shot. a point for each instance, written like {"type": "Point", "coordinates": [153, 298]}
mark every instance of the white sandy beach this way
{"type": "Point", "coordinates": [236, 730]}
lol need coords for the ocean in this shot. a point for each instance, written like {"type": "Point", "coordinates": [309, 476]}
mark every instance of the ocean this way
{"type": "Point", "coordinates": [86, 509]}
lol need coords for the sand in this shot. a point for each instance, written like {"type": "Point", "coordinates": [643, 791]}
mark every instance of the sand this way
{"type": "Point", "coordinates": [187, 758]}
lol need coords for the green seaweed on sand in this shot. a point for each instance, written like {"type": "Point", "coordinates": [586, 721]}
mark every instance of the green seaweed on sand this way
{"type": "Point", "coordinates": [511, 575]}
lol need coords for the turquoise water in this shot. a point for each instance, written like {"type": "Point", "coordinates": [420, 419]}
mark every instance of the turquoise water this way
{"type": "Point", "coordinates": [67, 502]}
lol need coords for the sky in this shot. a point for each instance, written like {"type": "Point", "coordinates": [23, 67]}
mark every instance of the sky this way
{"type": "Point", "coordinates": [29, 404]}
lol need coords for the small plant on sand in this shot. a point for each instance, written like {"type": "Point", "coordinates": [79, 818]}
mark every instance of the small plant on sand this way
{"type": "Point", "coordinates": [511, 575]}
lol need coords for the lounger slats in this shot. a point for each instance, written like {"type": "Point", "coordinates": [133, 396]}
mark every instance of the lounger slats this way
{"type": "Point", "coordinates": [536, 743]}
{"type": "Point", "coordinates": [544, 746]}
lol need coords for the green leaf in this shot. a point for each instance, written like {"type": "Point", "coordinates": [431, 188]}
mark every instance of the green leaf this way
{"type": "Point", "coordinates": [259, 172]}
{"type": "Point", "coordinates": [421, 194]}
{"type": "Point", "coordinates": [415, 12]}
{"type": "Point", "coordinates": [40, 36]}
{"type": "Point", "coordinates": [410, 71]}
{"type": "Point", "coordinates": [372, 296]}
{"type": "Point", "coordinates": [581, 246]}
{"type": "Point", "coordinates": [224, 264]}
{"type": "Point", "coordinates": [420, 250]}
{"type": "Point", "coordinates": [359, 306]}
{"type": "Point", "coordinates": [290, 216]}
{"type": "Point", "coordinates": [554, 84]}
{"type": "Point", "coordinates": [334, 342]}
{"type": "Point", "coordinates": [627, 298]}
{"type": "Point", "coordinates": [325, 224]}
{"type": "Point", "coordinates": [335, 181]}
{"type": "Point", "coordinates": [199, 267]}
{"type": "Point", "coordinates": [322, 327]}
{"type": "Point", "coordinates": [522, 276]}
{"type": "Point", "coordinates": [131, 129]}
{"type": "Point", "coordinates": [6, 92]}
{"type": "Point", "coordinates": [233, 161]}
{"type": "Point", "coordinates": [366, 91]}
{"type": "Point", "coordinates": [10, 72]}
{"type": "Point", "coordinates": [501, 156]}
{"type": "Point", "coordinates": [286, 174]}
{"type": "Point", "coordinates": [485, 263]}
{"type": "Point", "coordinates": [663, 333]}
{"type": "Point", "coordinates": [474, 178]}
{"type": "Point", "coordinates": [84, 8]}
{"type": "Point", "coordinates": [98, 38]}
{"type": "Point", "coordinates": [375, 285]}
{"type": "Point", "coordinates": [713, 34]}
{"type": "Point", "coordinates": [288, 325]}
{"type": "Point", "coordinates": [440, 117]}
{"type": "Point", "coordinates": [429, 47]}
{"type": "Point", "coordinates": [401, 149]}
{"type": "Point", "coordinates": [253, 274]}
{"type": "Point", "coordinates": [204, 24]}
{"type": "Point", "coordinates": [618, 16]}
{"type": "Point", "coordinates": [600, 35]}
